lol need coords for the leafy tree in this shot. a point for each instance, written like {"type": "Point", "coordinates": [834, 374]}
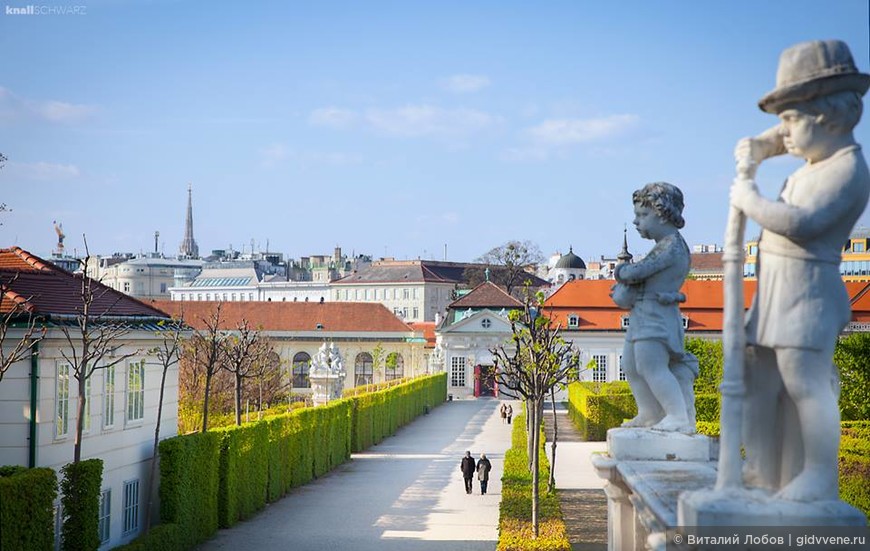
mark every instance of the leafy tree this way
{"type": "Point", "coordinates": [531, 365]}
{"type": "Point", "coordinates": [16, 317]}
{"type": "Point", "coordinates": [507, 264]}
{"type": "Point", "coordinates": [377, 358]}
{"type": "Point", "coordinates": [852, 358]}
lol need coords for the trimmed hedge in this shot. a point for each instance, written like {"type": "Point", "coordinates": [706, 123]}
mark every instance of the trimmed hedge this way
{"type": "Point", "coordinates": [27, 508]}
{"type": "Point", "coordinates": [515, 509]}
{"type": "Point", "coordinates": [80, 499]}
{"type": "Point", "coordinates": [854, 464]}
{"type": "Point", "coordinates": [243, 472]}
{"type": "Point", "coordinates": [596, 407]}
{"type": "Point", "coordinates": [189, 485]}
{"type": "Point", "coordinates": [227, 474]}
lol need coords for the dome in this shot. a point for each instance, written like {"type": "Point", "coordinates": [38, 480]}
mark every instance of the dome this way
{"type": "Point", "coordinates": [571, 260]}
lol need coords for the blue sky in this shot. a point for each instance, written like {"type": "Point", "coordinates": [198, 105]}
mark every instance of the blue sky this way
{"type": "Point", "coordinates": [388, 128]}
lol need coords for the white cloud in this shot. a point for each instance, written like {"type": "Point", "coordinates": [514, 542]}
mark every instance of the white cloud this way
{"type": "Point", "coordinates": [525, 154]}
{"type": "Point", "coordinates": [42, 171]}
{"type": "Point", "coordinates": [463, 84]}
{"type": "Point", "coordinates": [62, 112]}
{"type": "Point", "coordinates": [279, 153]}
{"type": "Point", "coordinates": [272, 155]}
{"type": "Point", "coordinates": [428, 120]}
{"type": "Point", "coordinates": [560, 132]}
{"type": "Point", "coordinates": [332, 116]}
{"type": "Point", "coordinates": [12, 105]}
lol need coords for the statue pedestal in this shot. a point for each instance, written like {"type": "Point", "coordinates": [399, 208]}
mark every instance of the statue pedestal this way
{"type": "Point", "coordinates": [646, 471]}
{"type": "Point", "coordinates": [630, 444]}
{"type": "Point", "coordinates": [755, 507]}
{"type": "Point", "coordinates": [325, 387]}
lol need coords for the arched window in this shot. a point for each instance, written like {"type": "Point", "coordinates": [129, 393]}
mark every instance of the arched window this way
{"type": "Point", "coordinates": [362, 368]}
{"type": "Point", "coordinates": [301, 363]}
{"type": "Point", "coordinates": [395, 366]}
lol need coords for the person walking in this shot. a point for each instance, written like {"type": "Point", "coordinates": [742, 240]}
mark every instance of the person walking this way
{"type": "Point", "coordinates": [483, 468]}
{"type": "Point", "coordinates": [467, 467]}
{"type": "Point", "coordinates": [510, 413]}
{"type": "Point", "coordinates": [503, 411]}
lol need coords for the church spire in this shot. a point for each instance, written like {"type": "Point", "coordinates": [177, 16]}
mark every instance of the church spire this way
{"type": "Point", "coordinates": [624, 257]}
{"type": "Point", "coordinates": [189, 248]}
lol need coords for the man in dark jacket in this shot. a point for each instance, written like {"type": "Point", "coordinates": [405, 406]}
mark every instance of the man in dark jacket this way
{"type": "Point", "coordinates": [467, 467]}
{"type": "Point", "coordinates": [483, 468]}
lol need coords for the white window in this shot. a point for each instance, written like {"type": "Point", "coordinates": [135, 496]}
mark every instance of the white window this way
{"type": "Point", "coordinates": [457, 371]}
{"type": "Point", "coordinates": [486, 323]}
{"type": "Point", "coordinates": [162, 287]}
{"type": "Point", "coordinates": [233, 297]}
{"type": "Point", "coordinates": [375, 294]}
{"type": "Point", "coordinates": [86, 426]}
{"type": "Point", "coordinates": [621, 372]}
{"type": "Point", "coordinates": [131, 506]}
{"type": "Point", "coordinates": [62, 401]}
{"type": "Point", "coordinates": [105, 515]}
{"type": "Point", "coordinates": [624, 322]}
{"type": "Point", "coordinates": [406, 294]}
{"type": "Point", "coordinates": [415, 312]}
{"type": "Point", "coordinates": [405, 313]}
{"type": "Point", "coordinates": [685, 322]}
{"type": "Point", "coordinates": [250, 296]}
{"type": "Point", "coordinates": [136, 391]}
{"type": "Point", "coordinates": [599, 371]}
{"type": "Point", "coordinates": [108, 397]}
{"type": "Point", "coordinates": [126, 286]}
{"type": "Point", "coordinates": [573, 321]}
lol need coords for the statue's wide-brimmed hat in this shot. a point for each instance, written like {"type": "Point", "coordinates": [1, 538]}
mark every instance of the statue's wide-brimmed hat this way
{"type": "Point", "coordinates": [812, 69]}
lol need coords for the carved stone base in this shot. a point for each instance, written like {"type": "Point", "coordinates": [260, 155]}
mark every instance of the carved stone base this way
{"type": "Point", "coordinates": [633, 444]}
{"type": "Point", "coordinates": [754, 507]}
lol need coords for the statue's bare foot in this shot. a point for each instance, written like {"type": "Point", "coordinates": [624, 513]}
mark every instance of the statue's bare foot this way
{"type": "Point", "coordinates": [812, 484]}
{"type": "Point", "coordinates": [641, 421]}
{"type": "Point", "coordinates": [674, 423]}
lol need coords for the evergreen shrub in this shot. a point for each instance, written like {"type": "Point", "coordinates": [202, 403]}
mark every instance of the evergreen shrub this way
{"type": "Point", "coordinates": [244, 472]}
{"type": "Point", "coordinates": [80, 502]}
{"type": "Point", "coordinates": [189, 485]}
{"type": "Point", "coordinates": [27, 508]}
{"type": "Point", "coordinates": [163, 537]}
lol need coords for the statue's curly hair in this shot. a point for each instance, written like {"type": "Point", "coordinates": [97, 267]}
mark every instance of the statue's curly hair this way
{"type": "Point", "coordinates": [663, 198]}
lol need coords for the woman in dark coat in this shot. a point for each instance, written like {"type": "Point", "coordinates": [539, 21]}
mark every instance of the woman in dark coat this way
{"type": "Point", "coordinates": [483, 468]}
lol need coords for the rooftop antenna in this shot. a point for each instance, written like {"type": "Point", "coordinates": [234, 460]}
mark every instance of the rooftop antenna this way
{"type": "Point", "coordinates": [156, 237]}
{"type": "Point", "coordinates": [445, 252]}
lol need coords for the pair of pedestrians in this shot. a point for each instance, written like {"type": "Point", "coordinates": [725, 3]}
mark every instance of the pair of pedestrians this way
{"type": "Point", "coordinates": [506, 413]}
{"type": "Point", "coordinates": [469, 468]}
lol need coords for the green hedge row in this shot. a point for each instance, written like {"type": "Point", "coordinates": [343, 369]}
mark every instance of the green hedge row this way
{"type": "Point", "coordinates": [80, 502]}
{"type": "Point", "coordinates": [227, 474]}
{"type": "Point", "coordinates": [596, 407]}
{"type": "Point", "coordinates": [27, 508]}
{"type": "Point", "coordinates": [515, 532]}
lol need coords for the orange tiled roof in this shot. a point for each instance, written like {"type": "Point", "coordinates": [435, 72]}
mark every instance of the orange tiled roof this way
{"type": "Point", "coordinates": [333, 317]}
{"type": "Point", "coordinates": [428, 330]}
{"type": "Point", "coordinates": [590, 300]}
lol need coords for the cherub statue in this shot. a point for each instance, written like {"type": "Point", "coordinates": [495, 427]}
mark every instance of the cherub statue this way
{"type": "Point", "coordinates": [657, 367]}
{"type": "Point", "coordinates": [791, 423]}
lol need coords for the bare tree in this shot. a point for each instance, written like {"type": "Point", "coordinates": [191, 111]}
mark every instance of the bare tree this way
{"type": "Point", "coordinates": [17, 316]}
{"type": "Point", "coordinates": [168, 353]}
{"type": "Point", "coordinates": [93, 340]}
{"type": "Point", "coordinates": [245, 354]}
{"type": "Point", "coordinates": [508, 265]}
{"type": "Point", "coordinates": [208, 354]}
{"type": "Point", "coordinates": [530, 366]}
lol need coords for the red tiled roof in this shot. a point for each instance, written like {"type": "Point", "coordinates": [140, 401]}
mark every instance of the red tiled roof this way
{"type": "Point", "coordinates": [707, 262]}
{"type": "Point", "coordinates": [291, 316]}
{"type": "Point", "coordinates": [40, 287]}
{"type": "Point", "coordinates": [486, 295]}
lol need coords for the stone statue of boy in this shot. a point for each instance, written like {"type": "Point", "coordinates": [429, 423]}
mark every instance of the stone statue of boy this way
{"type": "Point", "coordinates": [791, 419]}
{"type": "Point", "coordinates": [658, 370]}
